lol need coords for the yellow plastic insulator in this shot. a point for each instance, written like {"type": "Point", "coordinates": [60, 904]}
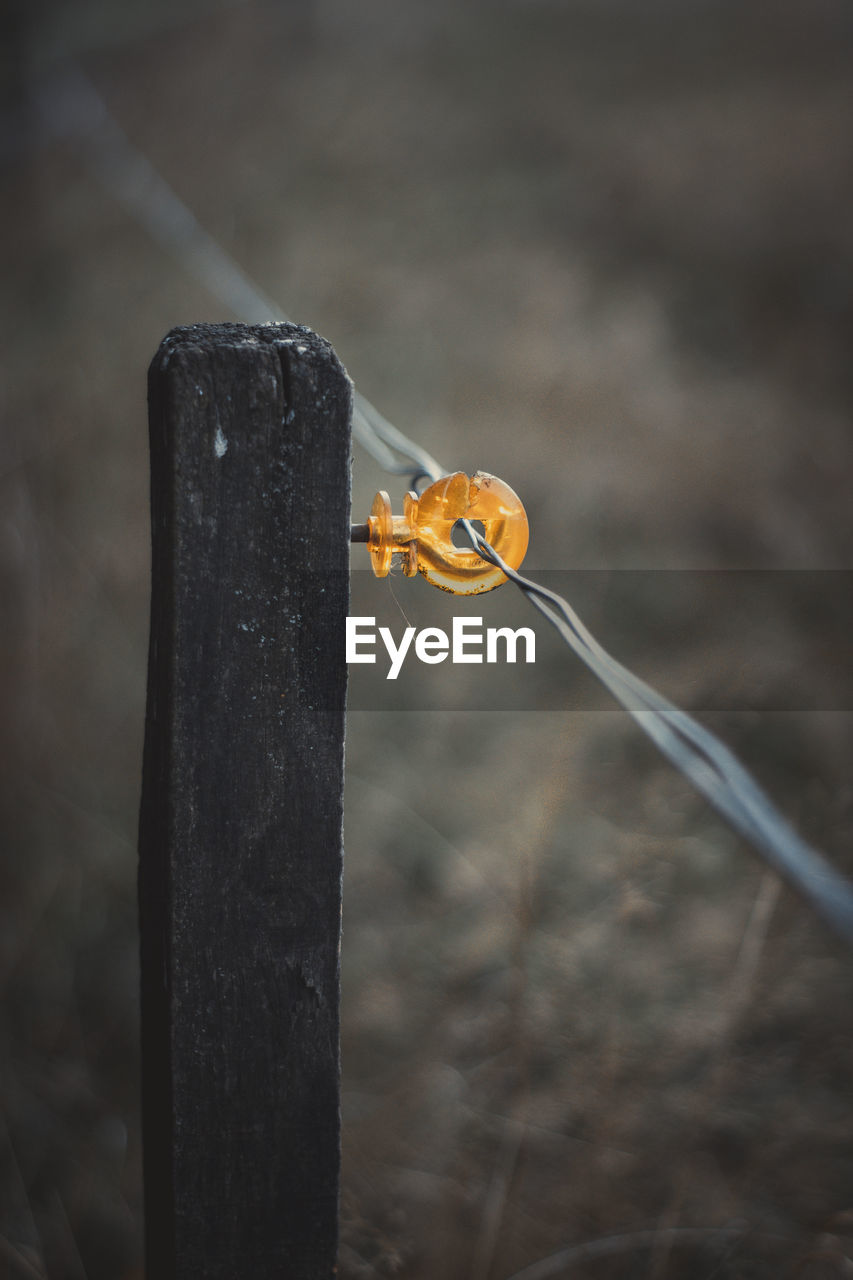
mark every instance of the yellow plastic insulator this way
{"type": "Point", "coordinates": [423, 535]}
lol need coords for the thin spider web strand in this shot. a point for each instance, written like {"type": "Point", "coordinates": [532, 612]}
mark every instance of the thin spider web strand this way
{"type": "Point", "coordinates": [558, 1264]}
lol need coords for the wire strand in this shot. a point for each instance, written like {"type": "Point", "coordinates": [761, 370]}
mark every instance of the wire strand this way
{"type": "Point", "coordinates": [69, 104]}
{"type": "Point", "coordinates": [702, 757]}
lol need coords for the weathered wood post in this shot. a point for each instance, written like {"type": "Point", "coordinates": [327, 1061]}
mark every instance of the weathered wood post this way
{"type": "Point", "coordinates": [240, 829]}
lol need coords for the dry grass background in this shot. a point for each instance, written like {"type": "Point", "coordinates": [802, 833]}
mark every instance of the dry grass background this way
{"type": "Point", "coordinates": [604, 251]}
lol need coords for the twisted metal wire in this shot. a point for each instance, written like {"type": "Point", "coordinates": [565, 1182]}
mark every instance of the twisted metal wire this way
{"type": "Point", "coordinates": [69, 104]}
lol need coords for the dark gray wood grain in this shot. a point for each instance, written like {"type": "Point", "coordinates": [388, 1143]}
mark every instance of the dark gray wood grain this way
{"type": "Point", "coordinates": [240, 830]}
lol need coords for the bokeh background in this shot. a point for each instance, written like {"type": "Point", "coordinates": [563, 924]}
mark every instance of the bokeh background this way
{"type": "Point", "coordinates": [603, 250]}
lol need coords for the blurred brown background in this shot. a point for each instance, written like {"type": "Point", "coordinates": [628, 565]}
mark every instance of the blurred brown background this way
{"type": "Point", "coordinates": [602, 250]}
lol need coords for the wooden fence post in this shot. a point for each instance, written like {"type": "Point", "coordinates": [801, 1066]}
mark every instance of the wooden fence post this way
{"type": "Point", "coordinates": [240, 827]}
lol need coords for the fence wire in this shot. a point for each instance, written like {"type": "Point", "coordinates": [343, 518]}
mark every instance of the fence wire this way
{"type": "Point", "coordinates": [69, 105]}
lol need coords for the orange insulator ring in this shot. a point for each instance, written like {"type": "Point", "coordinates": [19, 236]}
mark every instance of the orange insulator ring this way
{"type": "Point", "coordinates": [423, 535]}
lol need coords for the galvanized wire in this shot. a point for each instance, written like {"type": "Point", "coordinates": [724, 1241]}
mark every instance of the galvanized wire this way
{"type": "Point", "coordinates": [701, 756]}
{"type": "Point", "coordinates": [69, 104]}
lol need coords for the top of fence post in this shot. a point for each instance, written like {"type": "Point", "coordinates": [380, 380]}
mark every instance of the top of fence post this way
{"type": "Point", "coordinates": [240, 828]}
